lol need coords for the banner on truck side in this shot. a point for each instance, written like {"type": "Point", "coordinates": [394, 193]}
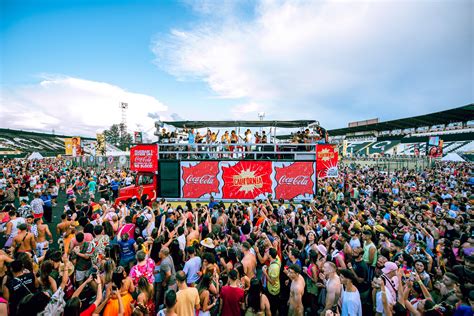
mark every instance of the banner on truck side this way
{"type": "Point", "coordinates": [144, 158]}
{"type": "Point", "coordinates": [326, 161]}
{"type": "Point", "coordinates": [246, 180]}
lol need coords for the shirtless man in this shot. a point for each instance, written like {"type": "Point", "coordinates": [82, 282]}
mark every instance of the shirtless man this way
{"type": "Point", "coordinates": [64, 225]}
{"type": "Point", "coordinates": [42, 244]}
{"type": "Point", "coordinates": [295, 302]}
{"type": "Point", "coordinates": [333, 286]}
{"type": "Point", "coordinates": [248, 261]}
{"type": "Point", "coordinates": [192, 234]}
{"type": "Point", "coordinates": [4, 258]}
{"type": "Point", "coordinates": [24, 241]}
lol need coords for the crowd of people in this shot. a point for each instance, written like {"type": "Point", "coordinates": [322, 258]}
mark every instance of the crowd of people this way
{"type": "Point", "coordinates": [232, 144]}
{"type": "Point", "coordinates": [369, 243]}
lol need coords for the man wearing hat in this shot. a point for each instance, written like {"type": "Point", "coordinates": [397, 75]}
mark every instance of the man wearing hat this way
{"type": "Point", "coordinates": [390, 276]}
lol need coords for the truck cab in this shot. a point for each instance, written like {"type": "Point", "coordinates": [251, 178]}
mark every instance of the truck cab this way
{"type": "Point", "coordinates": [144, 161]}
{"type": "Point", "coordinates": [145, 183]}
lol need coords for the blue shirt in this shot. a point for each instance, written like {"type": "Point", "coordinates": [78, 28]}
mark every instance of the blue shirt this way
{"type": "Point", "coordinates": [114, 185]}
{"type": "Point", "coordinates": [46, 199]}
{"type": "Point", "coordinates": [127, 250]}
{"type": "Point", "coordinates": [190, 138]}
{"type": "Point", "coordinates": [92, 186]}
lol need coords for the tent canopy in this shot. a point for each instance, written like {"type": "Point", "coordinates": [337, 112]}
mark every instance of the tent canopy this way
{"type": "Point", "coordinates": [231, 124]}
{"type": "Point", "coordinates": [35, 155]}
{"type": "Point", "coordinates": [452, 157]}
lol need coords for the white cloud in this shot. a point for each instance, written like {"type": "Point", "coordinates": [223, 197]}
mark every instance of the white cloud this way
{"type": "Point", "coordinates": [331, 56]}
{"type": "Point", "coordinates": [248, 110]}
{"type": "Point", "coordinates": [75, 106]}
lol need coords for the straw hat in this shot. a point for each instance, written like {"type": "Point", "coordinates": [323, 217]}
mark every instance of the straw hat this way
{"type": "Point", "coordinates": [208, 243]}
{"type": "Point", "coordinates": [70, 268]}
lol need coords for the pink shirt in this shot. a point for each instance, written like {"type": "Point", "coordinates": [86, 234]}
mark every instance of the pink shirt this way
{"type": "Point", "coordinates": [145, 270]}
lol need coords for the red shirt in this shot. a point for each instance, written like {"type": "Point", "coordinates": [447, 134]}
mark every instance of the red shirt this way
{"type": "Point", "coordinates": [89, 311]}
{"type": "Point", "coordinates": [231, 299]}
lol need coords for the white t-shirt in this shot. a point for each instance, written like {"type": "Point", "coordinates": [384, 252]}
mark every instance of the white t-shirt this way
{"type": "Point", "coordinates": [355, 243]}
{"type": "Point", "coordinates": [351, 304]}
{"type": "Point", "coordinates": [182, 242]}
{"type": "Point", "coordinates": [191, 268]}
{"type": "Point", "coordinates": [15, 222]}
{"type": "Point", "coordinates": [378, 300]}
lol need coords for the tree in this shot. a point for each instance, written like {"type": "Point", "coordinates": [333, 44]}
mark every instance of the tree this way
{"type": "Point", "coordinates": [126, 139]}
{"type": "Point", "coordinates": [118, 136]}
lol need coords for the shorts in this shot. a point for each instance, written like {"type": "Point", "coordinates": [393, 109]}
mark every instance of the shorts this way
{"type": "Point", "coordinates": [82, 275]}
{"type": "Point", "coordinates": [41, 248]}
{"type": "Point", "coordinates": [39, 215]}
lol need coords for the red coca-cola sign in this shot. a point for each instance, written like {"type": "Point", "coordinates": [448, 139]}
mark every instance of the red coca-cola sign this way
{"type": "Point", "coordinates": [294, 179]}
{"type": "Point", "coordinates": [144, 158]}
{"type": "Point", "coordinates": [199, 179]}
{"type": "Point", "coordinates": [205, 179]}
{"type": "Point", "coordinates": [298, 180]}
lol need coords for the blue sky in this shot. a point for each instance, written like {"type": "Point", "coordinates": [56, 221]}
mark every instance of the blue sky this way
{"type": "Point", "coordinates": [65, 65]}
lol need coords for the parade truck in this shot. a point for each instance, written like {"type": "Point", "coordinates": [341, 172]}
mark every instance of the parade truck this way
{"type": "Point", "coordinates": [232, 171]}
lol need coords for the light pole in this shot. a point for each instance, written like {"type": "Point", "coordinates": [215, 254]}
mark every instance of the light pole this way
{"type": "Point", "coordinates": [261, 116]}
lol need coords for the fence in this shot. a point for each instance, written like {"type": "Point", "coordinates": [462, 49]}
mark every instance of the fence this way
{"type": "Point", "coordinates": [99, 162]}
{"type": "Point", "coordinates": [391, 164]}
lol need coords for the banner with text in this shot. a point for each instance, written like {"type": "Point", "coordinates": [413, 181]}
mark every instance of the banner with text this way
{"type": "Point", "coordinates": [247, 180]}
{"type": "Point", "coordinates": [326, 161]}
{"type": "Point", "coordinates": [294, 180]}
{"type": "Point", "coordinates": [199, 179]}
{"type": "Point", "coordinates": [144, 158]}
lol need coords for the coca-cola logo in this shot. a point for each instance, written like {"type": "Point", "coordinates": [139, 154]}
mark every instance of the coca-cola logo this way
{"type": "Point", "coordinates": [204, 179]}
{"type": "Point", "coordinates": [298, 180]}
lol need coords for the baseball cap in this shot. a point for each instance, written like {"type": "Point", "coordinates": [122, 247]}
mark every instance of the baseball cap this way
{"type": "Point", "coordinates": [322, 250]}
{"type": "Point", "coordinates": [389, 267]}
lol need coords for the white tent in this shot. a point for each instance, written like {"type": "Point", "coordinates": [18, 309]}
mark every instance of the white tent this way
{"type": "Point", "coordinates": [452, 157]}
{"type": "Point", "coordinates": [35, 155]}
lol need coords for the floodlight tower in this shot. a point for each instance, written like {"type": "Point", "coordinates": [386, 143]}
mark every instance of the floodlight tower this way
{"type": "Point", "coordinates": [124, 107]}
{"type": "Point", "coordinates": [261, 116]}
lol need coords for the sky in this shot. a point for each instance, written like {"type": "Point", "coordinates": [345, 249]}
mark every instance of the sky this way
{"type": "Point", "coordinates": [67, 65]}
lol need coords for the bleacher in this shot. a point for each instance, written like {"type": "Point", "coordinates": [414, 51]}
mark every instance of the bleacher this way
{"type": "Point", "coordinates": [402, 136]}
{"type": "Point", "coordinates": [17, 143]}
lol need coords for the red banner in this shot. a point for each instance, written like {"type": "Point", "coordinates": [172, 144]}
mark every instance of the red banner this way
{"type": "Point", "coordinates": [199, 179]}
{"type": "Point", "coordinates": [326, 160]}
{"type": "Point", "coordinates": [144, 158]}
{"type": "Point", "coordinates": [294, 180]}
{"type": "Point", "coordinates": [246, 179]}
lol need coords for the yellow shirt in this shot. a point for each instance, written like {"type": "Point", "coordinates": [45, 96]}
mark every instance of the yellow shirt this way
{"type": "Point", "coordinates": [186, 300]}
{"type": "Point", "coordinates": [274, 273]}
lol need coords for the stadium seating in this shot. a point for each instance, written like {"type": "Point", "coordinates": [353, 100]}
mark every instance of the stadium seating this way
{"type": "Point", "coordinates": [16, 143]}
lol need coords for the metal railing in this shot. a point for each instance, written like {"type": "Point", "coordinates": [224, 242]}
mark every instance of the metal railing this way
{"type": "Point", "coordinates": [237, 151]}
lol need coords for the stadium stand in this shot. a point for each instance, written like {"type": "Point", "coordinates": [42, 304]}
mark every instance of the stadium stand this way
{"type": "Point", "coordinates": [17, 143]}
{"type": "Point", "coordinates": [400, 137]}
